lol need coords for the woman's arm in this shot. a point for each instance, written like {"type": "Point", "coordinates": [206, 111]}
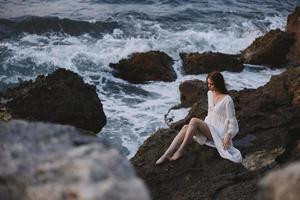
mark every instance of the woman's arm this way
{"type": "Point", "coordinates": [233, 127]}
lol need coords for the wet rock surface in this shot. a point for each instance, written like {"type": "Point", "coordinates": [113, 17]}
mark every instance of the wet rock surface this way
{"type": "Point", "coordinates": [192, 91]}
{"type": "Point", "coordinates": [147, 66]}
{"type": "Point", "coordinates": [293, 26]}
{"type": "Point", "coordinates": [61, 97]}
{"type": "Point", "coordinates": [198, 63]}
{"type": "Point", "coordinates": [270, 49]}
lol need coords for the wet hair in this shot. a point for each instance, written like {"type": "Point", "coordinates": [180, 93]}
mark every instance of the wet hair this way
{"type": "Point", "coordinates": [218, 80]}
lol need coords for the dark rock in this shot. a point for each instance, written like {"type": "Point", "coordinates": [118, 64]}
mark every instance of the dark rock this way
{"type": "Point", "coordinates": [199, 174]}
{"type": "Point", "coordinates": [198, 63]}
{"type": "Point", "coordinates": [43, 160]}
{"type": "Point", "coordinates": [142, 67]}
{"type": "Point", "coordinates": [192, 91]}
{"type": "Point", "coordinates": [199, 110]}
{"type": "Point", "coordinates": [293, 26]}
{"type": "Point", "coordinates": [270, 49]}
{"type": "Point", "coordinates": [61, 97]}
{"type": "Point", "coordinates": [269, 127]}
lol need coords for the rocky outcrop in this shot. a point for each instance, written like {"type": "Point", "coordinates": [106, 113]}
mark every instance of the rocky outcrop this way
{"type": "Point", "coordinates": [142, 67]}
{"type": "Point", "coordinates": [199, 174]}
{"type": "Point", "coordinates": [42, 160]}
{"type": "Point", "coordinates": [61, 97]}
{"type": "Point", "coordinates": [270, 49]}
{"type": "Point", "coordinates": [198, 63]}
{"type": "Point", "coordinates": [281, 183]}
{"type": "Point", "coordinates": [192, 91]}
{"type": "Point", "coordinates": [275, 49]}
{"type": "Point", "coordinates": [268, 119]}
{"type": "Point", "coordinates": [293, 26]}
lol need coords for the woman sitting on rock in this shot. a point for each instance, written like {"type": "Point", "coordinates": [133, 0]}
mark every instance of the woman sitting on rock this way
{"type": "Point", "coordinates": [218, 128]}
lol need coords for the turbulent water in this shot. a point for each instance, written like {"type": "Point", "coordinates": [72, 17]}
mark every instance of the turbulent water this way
{"type": "Point", "coordinates": [37, 37]}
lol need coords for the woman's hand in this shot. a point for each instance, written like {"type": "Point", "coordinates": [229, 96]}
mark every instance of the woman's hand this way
{"type": "Point", "coordinates": [226, 141]}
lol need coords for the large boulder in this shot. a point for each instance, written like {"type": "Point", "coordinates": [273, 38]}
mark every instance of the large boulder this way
{"type": "Point", "coordinates": [192, 91]}
{"type": "Point", "coordinates": [281, 184]}
{"type": "Point", "coordinates": [61, 97]}
{"type": "Point", "coordinates": [293, 26]}
{"type": "Point", "coordinates": [147, 66]}
{"type": "Point", "coordinates": [198, 63]}
{"type": "Point", "coordinates": [55, 162]}
{"type": "Point", "coordinates": [270, 49]}
{"type": "Point", "coordinates": [268, 120]}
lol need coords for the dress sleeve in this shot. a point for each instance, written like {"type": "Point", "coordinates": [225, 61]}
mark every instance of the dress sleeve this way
{"type": "Point", "coordinates": [233, 127]}
{"type": "Point", "coordinates": [208, 104]}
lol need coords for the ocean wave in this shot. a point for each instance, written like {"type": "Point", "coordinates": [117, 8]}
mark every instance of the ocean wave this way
{"type": "Point", "coordinates": [40, 25]}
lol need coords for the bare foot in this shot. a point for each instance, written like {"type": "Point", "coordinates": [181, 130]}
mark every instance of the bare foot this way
{"type": "Point", "coordinates": [176, 155]}
{"type": "Point", "coordinates": [162, 159]}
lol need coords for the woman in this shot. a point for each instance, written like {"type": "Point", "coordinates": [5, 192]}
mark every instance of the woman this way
{"type": "Point", "coordinates": [218, 128]}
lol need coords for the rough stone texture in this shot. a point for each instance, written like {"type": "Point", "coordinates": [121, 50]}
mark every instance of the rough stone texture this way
{"type": "Point", "coordinates": [200, 174]}
{"type": "Point", "coordinates": [142, 67]}
{"type": "Point", "coordinates": [270, 49]}
{"type": "Point", "coordinates": [198, 63]}
{"type": "Point", "coordinates": [293, 26]}
{"type": "Point", "coordinates": [269, 137]}
{"type": "Point", "coordinates": [61, 97]}
{"type": "Point", "coordinates": [55, 162]}
{"type": "Point", "coordinates": [281, 184]}
{"type": "Point", "coordinates": [192, 91]}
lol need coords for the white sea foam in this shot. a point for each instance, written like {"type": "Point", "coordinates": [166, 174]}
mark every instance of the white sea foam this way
{"type": "Point", "coordinates": [61, 51]}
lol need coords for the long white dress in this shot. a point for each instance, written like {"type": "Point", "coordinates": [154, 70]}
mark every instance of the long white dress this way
{"type": "Point", "coordinates": [221, 120]}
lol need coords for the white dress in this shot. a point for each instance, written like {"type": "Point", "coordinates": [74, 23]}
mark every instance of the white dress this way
{"type": "Point", "coordinates": [221, 120]}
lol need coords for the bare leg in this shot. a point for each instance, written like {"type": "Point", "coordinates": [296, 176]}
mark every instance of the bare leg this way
{"type": "Point", "coordinates": [194, 124]}
{"type": "Point", "coordinates": [174, 145]}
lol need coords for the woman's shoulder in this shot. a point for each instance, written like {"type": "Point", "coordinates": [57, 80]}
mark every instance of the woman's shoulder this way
{"type": "Point", "coordinates": [208, 92]}
{"type": "Point", "coordinates": [229, 98]}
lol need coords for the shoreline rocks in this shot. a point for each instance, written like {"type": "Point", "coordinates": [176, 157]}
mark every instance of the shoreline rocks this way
{"type": "Point", "coordinates": [282, 183]}
{"type": "Point", "coordinates": [202, 173]}
{"type": "Point", "coordinates": [293, 26]}
{"type": "Point", "coordinates": [198, 63]}
{"type": "Point", "coordinates": [61, 97]}
{"type": "Point", "coordinates": [146, 66]}
{"type": "Point", "coordinates": [275, 49]}
{"type": "Point", "coordinates": [192, 91]}
{"type": "Point", "coordinates": [39, 160]}
{"type": "Point", "coordinates": [270, 49]}
{"type": "Point", "coordinates": [74, 169]}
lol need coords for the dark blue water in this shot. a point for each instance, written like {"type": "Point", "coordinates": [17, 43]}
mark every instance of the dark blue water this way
{"type": "Point", "coordinates": [37, 37]}
{"type": "Point", "coordinates": [173, 14]}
